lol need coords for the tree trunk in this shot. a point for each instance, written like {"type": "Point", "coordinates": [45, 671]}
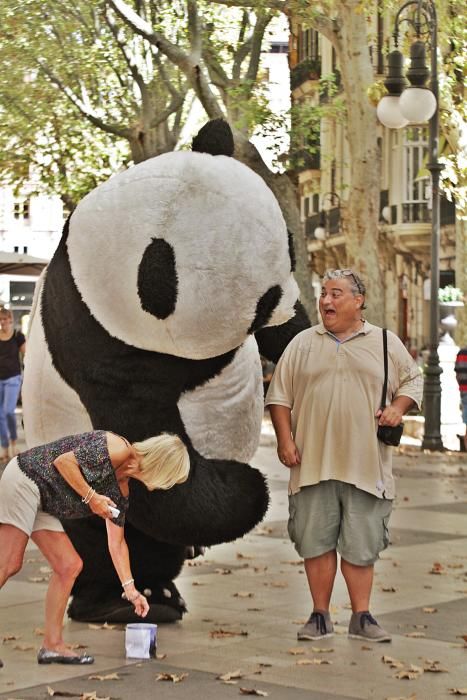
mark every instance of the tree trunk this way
{"type": "Point", "coordinates": [286, 194]}
{"type": "Point", "coordinates": [362, 211]}
{"type": "Point", "coordinates": [461, 280]}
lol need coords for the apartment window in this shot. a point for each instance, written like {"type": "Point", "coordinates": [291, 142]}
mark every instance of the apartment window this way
{"type": "Point", "coordinates": [21, 209]}
{"type": "Point", "coordinates": [308, 45]}
{"type": "Point", "coordinates": [416, 179]}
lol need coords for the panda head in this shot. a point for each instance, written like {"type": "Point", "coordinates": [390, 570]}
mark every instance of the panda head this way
{"type": "Point", "coordinates": [186, 253]}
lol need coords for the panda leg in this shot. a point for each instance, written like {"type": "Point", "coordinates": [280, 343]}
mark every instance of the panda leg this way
{"type": "Point", "coordinates": [97, 591]}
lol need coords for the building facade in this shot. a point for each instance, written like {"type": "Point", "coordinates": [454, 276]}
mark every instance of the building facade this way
{"type": "Point", "coordinates": [405, 197]}
{"type": "Point", "coordinates": [30, 225]}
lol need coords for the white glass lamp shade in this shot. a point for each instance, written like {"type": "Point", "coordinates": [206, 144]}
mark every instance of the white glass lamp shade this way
{"type": "Point", "coordinates": [320, 233]}
{"type": "Point", "coordinates": [389, 112]}
{"type": "Point", "coordinates": [417, 104]}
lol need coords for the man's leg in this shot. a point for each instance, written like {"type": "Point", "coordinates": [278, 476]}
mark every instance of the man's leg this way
{"type": "Point", "coordinates": [66, 564]}
{"type": "Point", "coordinates": [359, 580]}
{"type": "Point", "coordinates": [321, 572]}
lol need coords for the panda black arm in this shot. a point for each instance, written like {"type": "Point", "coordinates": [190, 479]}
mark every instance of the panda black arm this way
{"type": "Point", "coordinates": [273, 340]}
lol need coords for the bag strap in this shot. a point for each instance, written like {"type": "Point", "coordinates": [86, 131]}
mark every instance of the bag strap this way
{"type": "Point", "coordinates": [385, 357]}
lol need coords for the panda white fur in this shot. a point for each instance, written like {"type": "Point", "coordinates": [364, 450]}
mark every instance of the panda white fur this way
{"type": "Point", "coordinates": [148, 319]}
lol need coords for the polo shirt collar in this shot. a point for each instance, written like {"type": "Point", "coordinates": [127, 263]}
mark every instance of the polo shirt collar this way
{"type": "Point", "coordinates": [367, 327]}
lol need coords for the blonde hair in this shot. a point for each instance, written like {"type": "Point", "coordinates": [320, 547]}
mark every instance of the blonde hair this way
{"type": "Point", "coordinates": [165, 461]}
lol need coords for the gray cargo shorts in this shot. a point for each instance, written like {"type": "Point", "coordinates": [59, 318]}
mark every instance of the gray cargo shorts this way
{"type": "Point", "coordinates": [335, 515]}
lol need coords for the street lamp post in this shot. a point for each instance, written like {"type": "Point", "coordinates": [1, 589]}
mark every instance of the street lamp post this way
{"type": "Point", "coordinates": [416, 104]}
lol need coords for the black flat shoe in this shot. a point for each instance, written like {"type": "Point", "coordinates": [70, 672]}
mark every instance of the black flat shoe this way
{"type": "Point", "coordinates": [46, 656]}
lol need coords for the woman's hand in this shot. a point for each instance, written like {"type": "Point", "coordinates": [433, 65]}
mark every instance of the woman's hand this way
{"type": "Point", "coordinates": [100, 505]}
{"type": "Point", "coordinates": [139, 601]}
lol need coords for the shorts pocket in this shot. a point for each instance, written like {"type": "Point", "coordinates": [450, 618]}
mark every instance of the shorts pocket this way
{"type": "Point", "coordinates": [291, 522]}
{"type": "Point", "coordinates": [386, 531]}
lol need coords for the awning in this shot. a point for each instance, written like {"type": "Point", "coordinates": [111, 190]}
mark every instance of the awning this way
{"type": "Point", "coordinates": [21, 264]}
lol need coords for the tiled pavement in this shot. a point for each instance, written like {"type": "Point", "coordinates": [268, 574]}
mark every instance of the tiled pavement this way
{"type": "Point", "coordinates": [420, 596]}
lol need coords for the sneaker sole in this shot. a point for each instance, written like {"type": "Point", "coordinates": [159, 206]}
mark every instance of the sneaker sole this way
{"type": "Point", "coordinates": [369, 639]}
{"type": "Point", "coordinates": [309, 638]}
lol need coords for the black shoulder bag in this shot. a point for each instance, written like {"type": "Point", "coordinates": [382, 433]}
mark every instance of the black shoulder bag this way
{"type": "Point", "coordinates": [390, 435]}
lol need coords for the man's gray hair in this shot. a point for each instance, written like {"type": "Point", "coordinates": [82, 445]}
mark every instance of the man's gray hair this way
{"type": "Point", "coordinates": [356, 283]}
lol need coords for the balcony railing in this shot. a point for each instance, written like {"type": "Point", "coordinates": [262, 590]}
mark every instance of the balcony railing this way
{"type": "Point", "coordinates": [332, 220]}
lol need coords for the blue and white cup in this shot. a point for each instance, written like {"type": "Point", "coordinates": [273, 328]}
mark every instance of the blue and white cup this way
{"type": "Point", "coordinates": [140, 640]}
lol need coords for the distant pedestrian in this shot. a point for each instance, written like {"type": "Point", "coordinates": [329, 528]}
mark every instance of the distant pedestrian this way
{"type": "Point", "coordinates": [461, 375]}
{"type": "Point", "coordinates": [74, 477]}
{"type": "Point", "coordinates": [12, 345]}
{"type": "Point", "coordinates": [324, 401]}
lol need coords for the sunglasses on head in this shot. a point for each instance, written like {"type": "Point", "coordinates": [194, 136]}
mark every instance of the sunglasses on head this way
{"type": "Point", "coordinates": [349, 273]}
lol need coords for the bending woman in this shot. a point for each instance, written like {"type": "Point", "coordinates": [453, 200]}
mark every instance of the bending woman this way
{"type": "Point", "coordinates": [75, 477]}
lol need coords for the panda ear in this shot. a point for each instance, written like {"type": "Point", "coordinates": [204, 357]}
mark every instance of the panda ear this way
{"type": "Point", "coordinates": [215, 138]}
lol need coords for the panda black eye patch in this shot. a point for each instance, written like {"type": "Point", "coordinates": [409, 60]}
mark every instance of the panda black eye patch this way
{"type": "Point", "coordinates": [157, 279]}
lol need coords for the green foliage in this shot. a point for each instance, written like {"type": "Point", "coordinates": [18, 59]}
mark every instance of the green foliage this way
{"type": "Point", "coordinates": [450, 293]}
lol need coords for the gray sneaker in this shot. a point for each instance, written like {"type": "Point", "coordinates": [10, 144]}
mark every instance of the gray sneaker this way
{"type": "Point", "coordinates": [364, 626]}
{"type": "Point", "coordinates": [318, 626]}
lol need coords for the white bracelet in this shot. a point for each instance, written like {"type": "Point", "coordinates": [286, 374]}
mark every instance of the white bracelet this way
{"type": "Point", "coordinates": [127, 583]}
{"type": "Point", "coordinates": [85, 498]}
{"type": "Point", "coordinates": [89, 496]}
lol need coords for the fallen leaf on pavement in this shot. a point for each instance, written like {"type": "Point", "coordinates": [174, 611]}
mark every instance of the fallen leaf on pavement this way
{"type": "Point", "coordinates": [197, 583]}
{"type": "Point", "coordinates": [437, 568]}
{"type": "Point", "coordinates": [223, 572]}
{"type": "Point", "coordinates": [61, 693]}
{"type": "Point", "coordinates": [434, 667]}
{"type": "Point", "coordinates": [279, 584]}
{"type": "Point", "coordinates": [392, 663]}
{"type": "Point", "coordinates": [171, 677]}
{"type": "Point", "coordinates": [411, 673]}
{"type": "Point", "coordinates": [243, 556]}
{"type": "Point", "coordinates": [230, 675]}
{"type": "Point", "coordinates": [389, 589]}
{"type": "Point", "coordinates": [408, 697]}
{"type": "Point", "coordinates": [322, 650]}
{"type": "Point", "coordinates": [10, 637]}
{"type": "Point", "coordinates": [93, 696]}
{"type": "Point", "coordinates": [314, 662]}
{"type": "Point", "coordinates": [107, 677]}
{"type": "Point", "coordinates": [430, 610]}
{"type": "Point", "coordinates": [253, 691]}
{"type": "Point", "coordinates": [293, 562]}
{"type": "Point", "coordinates": [221, 633]}
{"type": "Point", "coordinates": [243, 594]}
{"type": "Point", "coordinates": [415, 635]}
{"type": "Point", "coordinates": [457, 691]}
{"type": "Point", "coordinates": [38, 579]}
{"type": "Point", "coordinates": [263, 531]}
{"type": "Point", "coordinates": [296, 651]}
{"type": "Point", "coordinates": [23, 647]}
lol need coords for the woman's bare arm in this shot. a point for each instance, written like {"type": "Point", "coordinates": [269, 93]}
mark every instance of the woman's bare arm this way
{"type": "Point", "coordinates": [67, 465]}
{"type": "Point", "coordinates": [118, 549]}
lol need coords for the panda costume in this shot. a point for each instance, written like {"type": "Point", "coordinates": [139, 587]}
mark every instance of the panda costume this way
{"type": "Point", "coordinates": [169, 280]}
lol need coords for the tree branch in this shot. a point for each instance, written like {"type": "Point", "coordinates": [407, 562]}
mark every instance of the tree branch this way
{"type": "Point", "coordinates": [79, 104]}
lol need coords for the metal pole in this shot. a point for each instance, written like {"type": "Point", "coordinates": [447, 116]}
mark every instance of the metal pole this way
{"type": "Point", "coordinates": [432, 383]}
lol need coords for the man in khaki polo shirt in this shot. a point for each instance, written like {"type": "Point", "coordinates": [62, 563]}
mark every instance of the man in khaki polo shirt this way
{"type": "Point", "coordinates": [324, 401]}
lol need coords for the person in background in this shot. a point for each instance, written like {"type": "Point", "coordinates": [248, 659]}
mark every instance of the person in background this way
{"type": "Point", "coordinates": [75, 477]}
{"type": "Point", "coordinates": [324, 401]}
{"type": "Point", "coordinates": [461, 375]}
{"type": "Point", "coordinates": [12, 344]}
